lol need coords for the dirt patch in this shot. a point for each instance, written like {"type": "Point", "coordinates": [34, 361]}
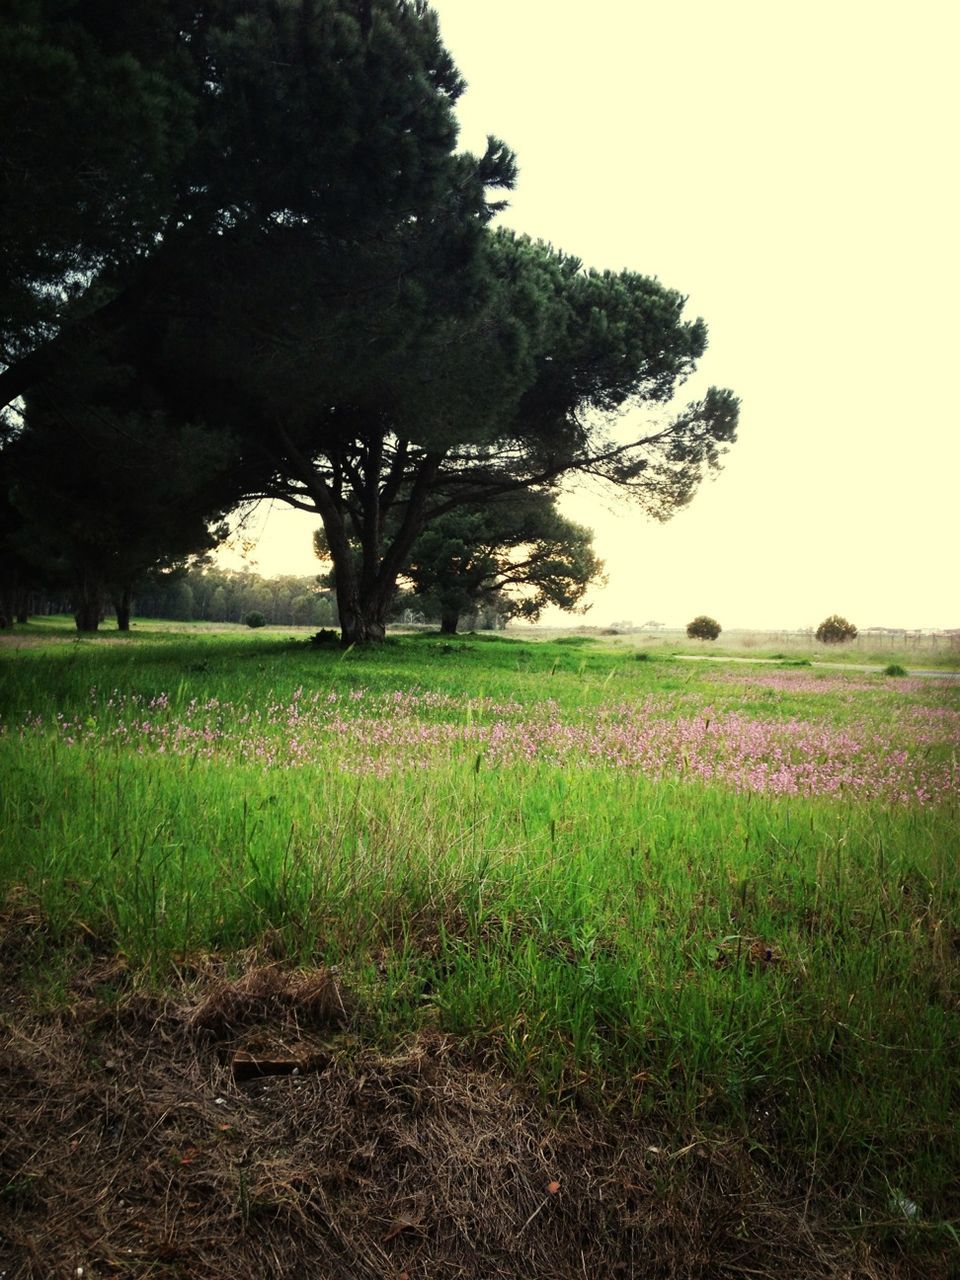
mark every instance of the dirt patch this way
{"type": "Point", "coordinates": [8, 641]}
{"type": "Point", "coordinates": [131, 1147]}
{"type": "Point", "coordinates": [45, 641]}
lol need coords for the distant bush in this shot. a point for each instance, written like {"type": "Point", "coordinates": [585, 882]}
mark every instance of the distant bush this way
{"type": "Point", "coordinates": [894, 669]}
{"type": "Point", "coordinates": [704, 628]}
{"type": "Point", "coordinates": [834, 630]}
{"type": "Point", "coordinates": [255, 619]}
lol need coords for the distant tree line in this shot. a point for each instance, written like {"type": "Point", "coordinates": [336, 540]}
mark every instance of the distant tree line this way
{"type": "Point", "coordinates": [224, 595]}
{"type": "Point", "coordinates": [203, 593]}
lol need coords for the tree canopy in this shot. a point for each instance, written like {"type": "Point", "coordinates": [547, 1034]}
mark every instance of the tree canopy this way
{"type": "Point", "coordinates": [527, 388]}
{"type": "Point", "coordinates": [205, 144]}
{"type": "Point", "coordinates": [835, 630]}
{"type": "Point", "coordinates": [99, 110]}
{"type": "Point", "coordinates": [517, 554]}
{"type": "Point", "coordinates": [105, 499]}
{"type": "Point", "coordinates": [155, 132]}
{"type": "Point", "coordinates": [480, 374]}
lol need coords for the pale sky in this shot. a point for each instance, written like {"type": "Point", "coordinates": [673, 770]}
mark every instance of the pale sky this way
{"type": "Point", "coordinates": [790, 168]}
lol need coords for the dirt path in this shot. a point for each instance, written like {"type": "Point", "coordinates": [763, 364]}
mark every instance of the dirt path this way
{"type": "Point", "coordinates": [823, 666]}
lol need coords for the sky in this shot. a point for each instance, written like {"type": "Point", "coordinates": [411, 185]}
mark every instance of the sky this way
{"type": "Point", "coordinates": [790, 169]}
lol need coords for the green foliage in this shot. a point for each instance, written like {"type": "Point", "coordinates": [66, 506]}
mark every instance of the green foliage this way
{"type": "Point", "coordinates": [255, 619]}
{"type": "Point", "coordinates": [516, 555]}
{"type": "Point", "coordinates": [228, 595]}
{"type": "Point", "coordinates": [99, 112]}
{"type": "Point", "coordinates": [835, 630]}
{"type": "Point", "coordinates": [703, 628]}
{"type": "Point", "coordinates": [486, 381]}
{"type": "Point", "coordinates": [894, 669]}
{"type": "Point", "coordinates": [108, 496]}
{"type": "Point", "coordinates": [150, 135]}
{"type": "Point", "coordinates": [319, 171]}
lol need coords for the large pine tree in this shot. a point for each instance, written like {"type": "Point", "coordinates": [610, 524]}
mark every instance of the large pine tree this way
{"type": "Point", "coordinates": [476, 375]}
{"type": "Point", "coordinates": [139, 135]}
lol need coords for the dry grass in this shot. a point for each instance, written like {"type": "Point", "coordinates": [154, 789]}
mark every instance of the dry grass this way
{"type": "Point", "coordinates": [129, 1148]}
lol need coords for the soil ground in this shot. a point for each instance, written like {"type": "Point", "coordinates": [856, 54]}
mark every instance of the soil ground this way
{"type": "Point", "coordinates": [139, 1138]}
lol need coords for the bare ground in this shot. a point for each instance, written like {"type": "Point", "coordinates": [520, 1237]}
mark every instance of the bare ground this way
{"type": "Point", "coordinates": [139, 1137]}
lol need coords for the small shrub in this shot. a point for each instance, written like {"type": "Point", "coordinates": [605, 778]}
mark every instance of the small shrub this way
{"type": "Point", "coordinates": [894, 669]}
{"type": "Point", "coordinates": [255, 619]}
{"type": "Point", "coordinates": [835, 630]}
{"type": "Point", "coordinates": [704, 628]}
{"type": "Point", "coordinates": [325, 638]}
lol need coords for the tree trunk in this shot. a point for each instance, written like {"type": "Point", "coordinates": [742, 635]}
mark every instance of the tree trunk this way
{"type": "Point", "coordinates": [364, 590]}
{"type": "Point", "coordinates": [87, 603]}
{"type": "Point", "coordinates": [17, 604]}
{"type": "Point", "coordinates": [361, 621]}
{"type": "Point", "coordinates": [449, 621]}
{"type": "Point", "coordinates": [364, 602]}
{"type": "Point", "coordinates": [121, 604]}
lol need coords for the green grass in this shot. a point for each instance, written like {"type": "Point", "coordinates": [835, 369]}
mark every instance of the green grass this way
{"type": "Point", "coordinates": [781, 968]}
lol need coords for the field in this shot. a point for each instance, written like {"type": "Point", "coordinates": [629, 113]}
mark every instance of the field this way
{"type": "Point", "coordinates": [475, 957]}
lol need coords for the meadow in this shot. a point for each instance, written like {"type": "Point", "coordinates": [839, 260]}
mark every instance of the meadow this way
{"type": "Point", "coordinates": [715, 901]}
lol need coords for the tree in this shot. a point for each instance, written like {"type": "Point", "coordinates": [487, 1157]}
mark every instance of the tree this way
{"type": "Point", "coordinates": [501, 375]}
{"type": "Point", "coordinates": [703, 628]}
{"type": "Point", "coordinates": [218, 604]}
{"type": "Point", "coordinates": [557, 354]}
{"type": "Point", "coordinates": [98, 106]}
{"type": "Point", "coordinates": [108, 496]}
{"type": "Point", "coordinates": [315, 179]}
{"type": "Point", "coordinates": [156, 131]}
{"type": "Point", "coordinates": [18, 577]}
{"type": "Point", "coordinates": [835, 630]}
{"type": "Point", "coordinates": [325, 285]}
{"type": "Point", "coordinates": [515, 554]}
